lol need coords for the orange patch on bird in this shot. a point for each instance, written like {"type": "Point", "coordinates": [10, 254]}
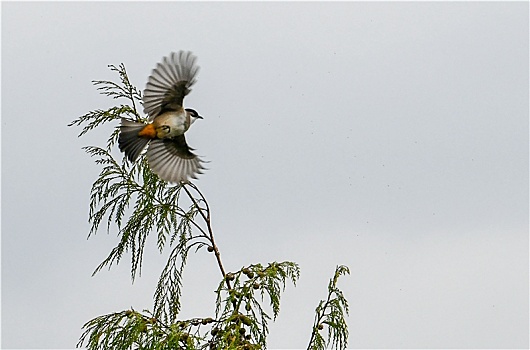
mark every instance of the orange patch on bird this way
{"type": "Point", "coordinates": [148, 131]}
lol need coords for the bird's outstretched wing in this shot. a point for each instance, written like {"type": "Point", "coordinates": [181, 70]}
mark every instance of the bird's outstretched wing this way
{"type": "Point", "coordinates": [172, 159]}
{"type": "Point", "coordinates": [169, 82]}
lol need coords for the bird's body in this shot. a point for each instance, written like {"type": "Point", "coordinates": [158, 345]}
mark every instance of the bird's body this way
{"type": "Point", "coordinates": [167, 125]}
{"type": "Point", "coordinates": [168, 154]}
{"type": "Point", "coordinates": [171, 124]}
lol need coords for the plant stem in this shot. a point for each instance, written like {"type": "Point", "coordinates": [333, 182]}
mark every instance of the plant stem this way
{"type": "Point", "coordinates": [318, 319]}
{"type": "Point", "coordinates": [206, 218]}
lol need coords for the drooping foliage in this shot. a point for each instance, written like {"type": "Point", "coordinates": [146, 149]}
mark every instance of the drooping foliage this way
{"type": "Point", "coordinates": [129, 199]}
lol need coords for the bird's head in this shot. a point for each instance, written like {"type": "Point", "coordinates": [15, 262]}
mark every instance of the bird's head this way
{"type": "Point", "coordinates": [194, 115]}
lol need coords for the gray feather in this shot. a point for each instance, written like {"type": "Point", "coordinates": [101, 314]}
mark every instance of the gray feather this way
{"type": "Point", "coordinates": [172, 161]}
{"type": "Point", "coordinates": [169, 82]}
{"type": "Point", "coordinates": [129, 142]}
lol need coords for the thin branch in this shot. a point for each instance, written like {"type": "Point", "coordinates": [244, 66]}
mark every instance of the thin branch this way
{"type": "Point", "coordinates": [206, 218]}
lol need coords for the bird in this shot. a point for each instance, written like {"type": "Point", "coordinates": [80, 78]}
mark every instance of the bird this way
{"type": "Point", "coordinates": [168, 153]}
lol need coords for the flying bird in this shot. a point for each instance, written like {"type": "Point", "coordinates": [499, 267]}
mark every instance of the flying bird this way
{"type": "Point", "coordinates": [168, 154]}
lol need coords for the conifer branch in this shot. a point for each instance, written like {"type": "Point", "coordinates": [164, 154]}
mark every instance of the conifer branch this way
{"type": "Point", "coordinates": [331, 313]}
{"type": "Point", "coordinates": [130, 199]}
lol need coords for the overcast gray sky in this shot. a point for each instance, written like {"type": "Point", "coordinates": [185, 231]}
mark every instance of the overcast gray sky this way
{"type": "Point", "coordinates": [389, 137]}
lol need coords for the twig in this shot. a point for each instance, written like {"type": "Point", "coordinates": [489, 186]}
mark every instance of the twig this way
{"type": "Point", "coordinates": [206, 218]}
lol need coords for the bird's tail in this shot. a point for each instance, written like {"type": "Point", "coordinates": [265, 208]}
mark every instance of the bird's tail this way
{"type": "Point", "coordinates": [129, 141]}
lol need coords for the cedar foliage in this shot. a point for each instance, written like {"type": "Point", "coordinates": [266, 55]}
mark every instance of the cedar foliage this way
{"type": "Point", "coordinates": [130, 198]}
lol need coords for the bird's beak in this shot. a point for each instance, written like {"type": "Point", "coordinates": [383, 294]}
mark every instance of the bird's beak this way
{"type": "Point", "coordinates": [199, 117]}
